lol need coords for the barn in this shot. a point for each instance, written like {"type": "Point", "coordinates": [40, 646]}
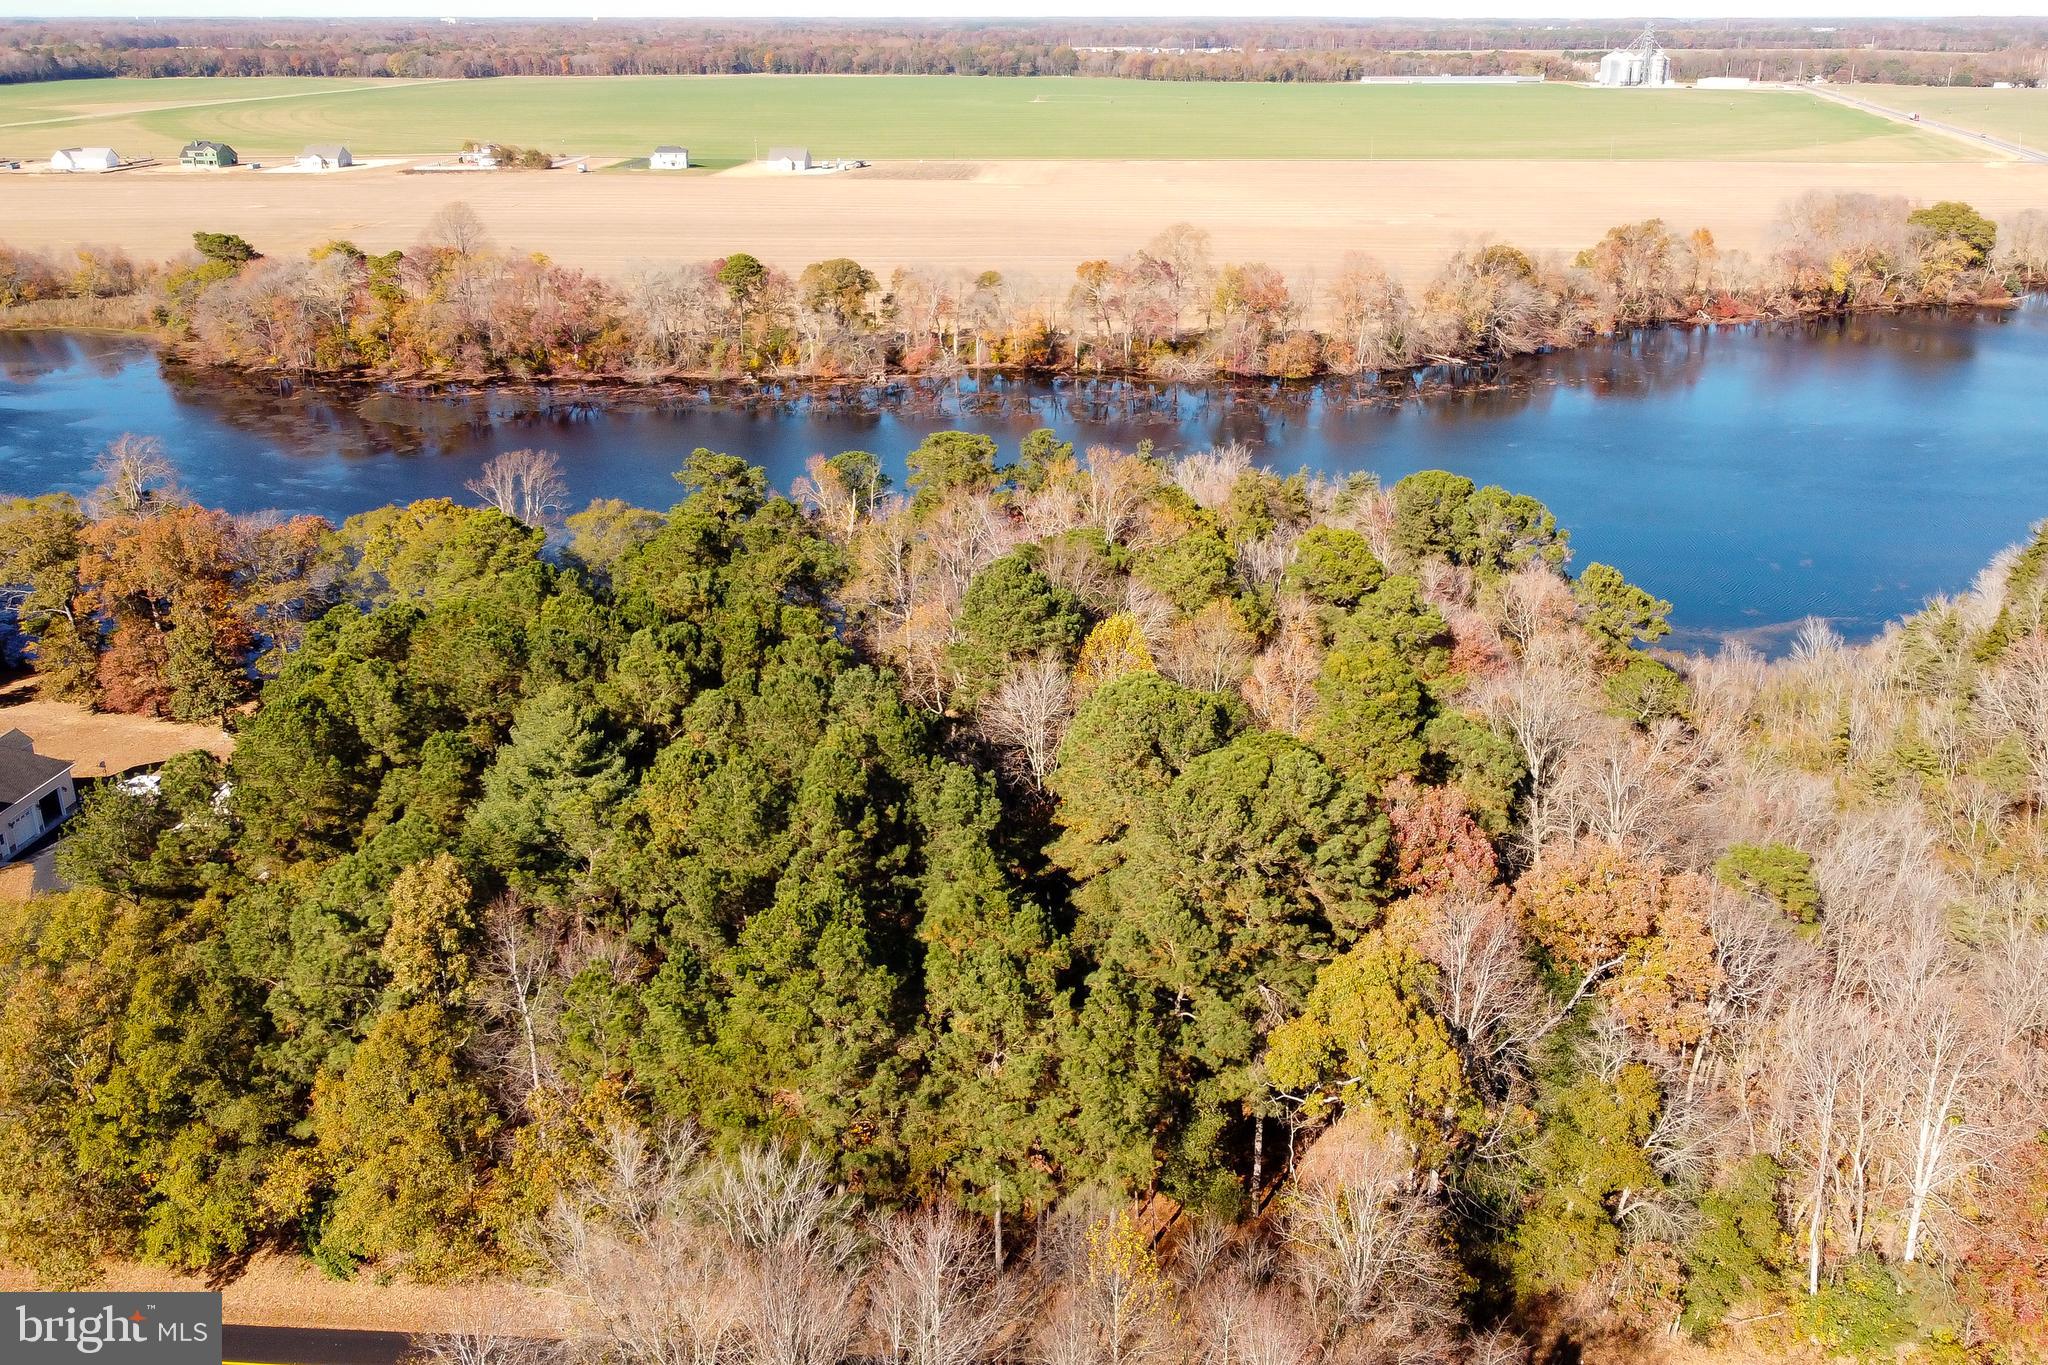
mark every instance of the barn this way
{"type": "Point", "coordinates": [85, 159]}
{"type": "Point", "coordinates": [789, 158]}
{"type": "Point", "coordinates": [325, 158]}
{"type": "Point", "coordinates": [36, 794]}
{"type": "Point", "coordinates": [211, 155]}
{"type": "Point", "coordinates": [669, 158]}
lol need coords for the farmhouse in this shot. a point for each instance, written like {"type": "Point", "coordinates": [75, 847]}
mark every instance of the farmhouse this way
{"type": "Point", "coordinates": [209, 154]}
{"type": "Point", "coordinates": [85, 159]}
{"type": "Point", "coordinates": [483, 156]}
{"type": "Point", "coordinates": [36, 794]}
{"type": "Point", "coordinates": [668, 158]}
{"type": "Point", "coordinates": [789, 158]}
{"type": "Point", "coordinates": [325, 158]}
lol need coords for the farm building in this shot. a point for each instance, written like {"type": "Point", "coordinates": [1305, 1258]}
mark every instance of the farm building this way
{"type": "Point", "coordinates": [669, 159]}
{"type": "Point", "coordinates": [483, 156]}
{"type": "Point", "coordinates": [325, 158]}
{"type": "Point", "coordinates": [85, 159]}
{"type": "Point", "coordinates": [203, 153]}
{"type": "Point", "coordinates": [1642, 63]}
{"type": "Point", "coordinates": [789, 158]}
{"type": "Point", "coordinates": [36, 794]}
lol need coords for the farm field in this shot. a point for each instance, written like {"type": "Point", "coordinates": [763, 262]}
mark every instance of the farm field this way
{"type": "Point", "coordinates": [112, 104]}
{"type": "Point", "coordinates": [2015, 115]}
{"type": "Point", "coordinates": [1032, 220]}
{"type": "Point", "coordinates": [727, 120]}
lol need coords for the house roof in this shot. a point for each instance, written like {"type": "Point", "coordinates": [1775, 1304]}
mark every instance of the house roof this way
{"type": "Point", "coordinates": [326, 152]}
{"type": "Point", "coordinates": [789, 154]}
{"type": "Point", "coordinates": [202, 143]}
{"type": "Point", "coordinates": [92, 152]}
{"type": "Point", "coordinates": [22, 769]}
{"type": "Point", "coordinates": [671, 151]}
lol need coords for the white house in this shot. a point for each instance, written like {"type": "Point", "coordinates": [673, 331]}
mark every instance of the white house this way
{"type": "Point", "coordinates": [325, 158]}
{"type": "Point", "coordinates": [85, 159]}
{"type": "Point", "coordinates": [789, 158]}
{"type": "Point", "coordinates": [669, 159]}
{"type": "Point", "coordinates": [483, 156]}
{"type": "Point", "coordinates": [36, 794]}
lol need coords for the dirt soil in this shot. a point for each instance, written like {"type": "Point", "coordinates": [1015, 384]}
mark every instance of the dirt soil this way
{"type": "Point", "coordinates": [288, 1291]}
{"type": "Point", "coordinates": [96, 743]}
{"type": "Point", "coordinates": [1032, 220]}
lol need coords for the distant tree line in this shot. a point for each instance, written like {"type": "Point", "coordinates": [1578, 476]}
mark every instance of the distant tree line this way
{"type": "Point", "coordinates": [454, 306]}
{"type": "Point", "coordinates": [1952, 51]}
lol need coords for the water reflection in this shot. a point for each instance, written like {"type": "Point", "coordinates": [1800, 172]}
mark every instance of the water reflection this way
{"type": "Point", "coordinates": [1754, 475]}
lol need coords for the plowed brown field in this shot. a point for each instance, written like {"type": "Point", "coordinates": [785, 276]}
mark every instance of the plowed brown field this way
{"type": "Point", "coordinates": [1028, 219]}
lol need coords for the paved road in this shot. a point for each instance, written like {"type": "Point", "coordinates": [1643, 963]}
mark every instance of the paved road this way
{"type": "Point", "coordinates": [312, 1346]}
{"type": "Point", "coordinates": [1970, 135]}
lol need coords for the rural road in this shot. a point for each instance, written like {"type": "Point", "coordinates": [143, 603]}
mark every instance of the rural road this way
{"type": "Point", "coordinates": [2017, 150]}
{"type": "Point", "coordinates": [312, 1346]}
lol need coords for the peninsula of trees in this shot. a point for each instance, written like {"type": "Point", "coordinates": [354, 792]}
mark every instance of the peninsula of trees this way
{"type": "Point", "coordinates": [456, 307]}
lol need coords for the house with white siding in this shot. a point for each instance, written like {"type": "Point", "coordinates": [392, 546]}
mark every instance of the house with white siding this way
{"type": "Point", "coordinates": [669, 159]}
{"type": "Point", "coordinates": [789, 158]}
{"type": "Point", "coordinates": [36, 794]}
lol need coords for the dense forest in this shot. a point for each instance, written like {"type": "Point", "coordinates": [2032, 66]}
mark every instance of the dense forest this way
{"type": "Point", "coordinates": [454, 306]}
{"type": "Point", "coordinates": [1082, 908]}
{"type": "Point", "coordinates": [1930, 51]}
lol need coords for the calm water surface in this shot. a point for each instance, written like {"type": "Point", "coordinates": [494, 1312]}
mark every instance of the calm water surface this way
{"type": "Point", "coordinates": [1753, 476]}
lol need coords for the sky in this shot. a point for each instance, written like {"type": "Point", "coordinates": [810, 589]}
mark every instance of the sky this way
{"type": "Point", "coordinates": [993, 9]}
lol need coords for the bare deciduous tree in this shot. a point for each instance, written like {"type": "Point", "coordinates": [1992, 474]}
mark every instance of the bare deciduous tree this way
{"type": "Point", "coordinates": [1944, 1126]}
{"type": "Point", "coordinates": [518, 965]}
{"type": "Point", "coordinates": [456, 227]}
{"type": "Point", "coordinates": [525, 485]}
{"type": "Point", "coordinates": [1026, 716]}
{"type": "Point", "coordinates": [1368, 1243]}
{"type": "Point", "coordinates": [1485, 987]}
{"type": "Point", "coordinates": [1543, 709]}
{"type": "Point", "coordinates": [491, 1334]}
{"type": "Point", "coordinates": [1281, 688]}
{"type": "Point", "coordinates": [643, 1281]}
{"type": "Point", "coordinates": [136, 478]}
{"type": "Point", "coordinates": [1211, 651]}
{"type": "Point", "coordinates": [938, 1297]}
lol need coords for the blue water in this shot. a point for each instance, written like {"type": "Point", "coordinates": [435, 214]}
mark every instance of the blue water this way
{"type": "Point", "coordinates": [1753, 476]}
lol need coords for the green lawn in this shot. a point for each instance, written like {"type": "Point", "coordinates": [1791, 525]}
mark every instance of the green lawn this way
{"type": "Point", "coordinates": [724, 120]}
{"type": "Point", "coordinates": [2015, 115]}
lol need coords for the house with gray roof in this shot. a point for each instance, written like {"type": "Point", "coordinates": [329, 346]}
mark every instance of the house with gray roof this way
{"type": "Point", "coordinates": [36, 794]}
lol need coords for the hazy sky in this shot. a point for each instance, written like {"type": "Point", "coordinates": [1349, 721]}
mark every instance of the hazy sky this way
{"type": "Point", "coordinates": [1589, 9]}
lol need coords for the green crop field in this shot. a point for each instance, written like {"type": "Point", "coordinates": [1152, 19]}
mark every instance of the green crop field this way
{"type": "Point", "coordinates": [2015, 115]}
{"type": "Point", "coordinates": [726, 120]}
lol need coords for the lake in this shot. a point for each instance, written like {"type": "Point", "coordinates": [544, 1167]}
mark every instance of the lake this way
{"type": "Point", "coordinates": [1754, 476]}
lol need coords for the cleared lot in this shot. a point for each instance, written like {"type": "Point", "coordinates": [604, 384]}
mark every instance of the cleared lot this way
{"type": "Point", "coordinates": [1026, 218]}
